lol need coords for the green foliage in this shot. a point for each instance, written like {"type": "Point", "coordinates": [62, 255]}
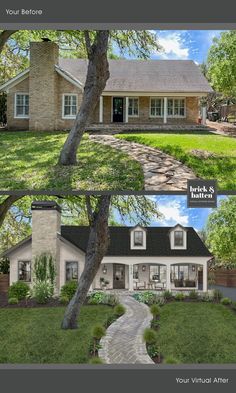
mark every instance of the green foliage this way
{"type": "Point", "coordinates": [98, 331]}
{"type": "Point", "coordinates": [233, 305]}
{"type": "Point", "coordinates": [226, 301]}
{"type": "Point", "coordinates": [155, 324]}
{"type": "Point", "coordinates": [179, 296]}
{"type": "Point", "coordinates": [153, 350]}
{"type": "Point", "coordinates": [221, 63]}
{"type": "Point", "coordinates": [68, 289]}
{"type": "Point", "coordinates": [181, 145]}
{"type": "Point", "coordinates": [206, 297]}
{"type": "Point", "coordinates": [221, 234]}
{"type": "Point", "coordinates": [155, 310]}
{"type": "Point", "coordinates": [167, 295]}
{"type": "Point", "coordinates": [119, 310]}
{"type": "Point", "coordinates": [171, 360]}
{"type": "Point", "coordinates": [42, 292]}
{"type": "Point", "coordinates": [146, 297]}
{"type": "Point", "coordinates": [4, 266]}
{"type": "Point", "coordinates": [100, 297]}
{"type": "Point", "coordinates": [217, 295]}
{"type": "Point", "coordinates": [64, 299]}
{"type": "Point", "coordinates": [18, 290]}
{"type": "Point", "coordinates": [44, 268]}
{"type": "Point", "coordinates": [96, 360]}
{"type": "Point", "coordinates": [149, 336]}
{"type": "Point", "coordinates": [13, 300]}
{"type": "Point", "coordinates": [193, 295]}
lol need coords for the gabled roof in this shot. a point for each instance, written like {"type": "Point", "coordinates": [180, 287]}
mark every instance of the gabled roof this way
{"type": "Point", "coordinates": [158, 242]}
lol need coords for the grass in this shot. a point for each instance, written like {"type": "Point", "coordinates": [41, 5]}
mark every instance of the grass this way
{"type": "Point", "coordinates": [222, 166]}
{"type": "Point", "coordinates": [28, 160]}
{"type": "Point", "coordinates": [198, 333]}
{"type": "Point", "coordinates": [34, 335]}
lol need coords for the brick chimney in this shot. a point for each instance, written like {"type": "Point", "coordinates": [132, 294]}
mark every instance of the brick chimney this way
{"type": "Point", "coordinates": [46, 225]}
{"type": "Point", "coordinates": [42, 85]}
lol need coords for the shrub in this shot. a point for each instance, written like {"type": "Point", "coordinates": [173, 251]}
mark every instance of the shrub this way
{"type": "Point", "coordinates": [171, 360]}
{"type": "Point", "coordinates": [18, 290]}
{"type": "Point", "coordinates": [64, 300]}
{"type": "Point", "coordinates": [153, 351]}
{"type": "Point", "coordinates": [97, 298]}
{"type": "Point", "coordinates": [119, 310]}
{"type": "Point", "coordinates": [149, 336]}
{"type": "Point", "coordinates": [155, 324]}
{"type": "Point", "coordinates": [206, 297]}
{"type": "Point", "coordinates": [112, 318]}
{"type": "Point", "coordinates": [13, 300]}
{"type": "Point", "coordinates": [42, 292]}
{"type": "Point", "coordinates": [217, 295]}
{"type": "Point", "coordinates": [112, 300]}
{"type": "Point", "coordinates": [98, 332]}
{"type": "Point", "coordinates": [193, 295]}
{"type": "Point", "coordinates": [233, 305]}
{"type": "Point", "coordinates": [226, 301]}
{"type": "Point", "coordinates": [44, 268]}
{"type": "Point", "coordinates": [167, 295]}
{"type": "Point", "coordinates": [69, 289]}
{"type": "Point", "coordinates": [96, 360]}
{"type": "Point", "coordinates": [179, 296]}
{"type": "Point", "coordinates": [4, 265]}
{"type": "Point", "coordinates": [155, 310]}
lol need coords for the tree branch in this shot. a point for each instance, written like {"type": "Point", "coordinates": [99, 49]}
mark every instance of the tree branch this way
{"type": "Point", "coordinates": [5, 206]}
{"type": "Point", "coordinates": [4, 37]}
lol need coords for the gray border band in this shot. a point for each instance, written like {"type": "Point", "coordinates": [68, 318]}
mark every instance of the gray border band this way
{"type": "Point", "coordinates": [118, 26]}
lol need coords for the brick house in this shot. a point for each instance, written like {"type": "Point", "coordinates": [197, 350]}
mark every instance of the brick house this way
{"type": "Point", "coordinates": [47, 95]}
{"type": "Point", "coordinates": [173, 258]}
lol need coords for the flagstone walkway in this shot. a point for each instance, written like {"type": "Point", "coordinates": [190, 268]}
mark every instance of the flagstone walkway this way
{"type": "Point", "coordinates": [161, 171]}
{"type": "Point", "coordinates": [123, 343]}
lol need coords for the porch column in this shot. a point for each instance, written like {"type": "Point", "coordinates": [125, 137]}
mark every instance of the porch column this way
{"type": "Point", "coordinates": [131, 283]}
{"type": "Point", "coordinates": [101, 109]}
{"type": "Point", "coordinates": [168, 283]}
{"type": "Point", "coordinates": [204, 115]}
{"type": "Point", "coordinates": [205, 277]}
{"type": "Point", "coordinates": [126, 109]}
{"type": "Point", "coordinates": [165, 110]}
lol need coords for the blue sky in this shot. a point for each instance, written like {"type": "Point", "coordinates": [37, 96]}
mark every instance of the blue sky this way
{"type": "Point", "coordinates": [175, 211]}
{"type": "Point", "coordinates": [185, 44]}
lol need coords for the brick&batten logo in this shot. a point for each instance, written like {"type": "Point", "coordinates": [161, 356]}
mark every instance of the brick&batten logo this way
{"type": "Point", "coordinates": [202, 193]}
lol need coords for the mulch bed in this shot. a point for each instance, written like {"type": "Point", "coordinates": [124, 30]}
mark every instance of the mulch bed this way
{"type": "Point", "coordinates": [30, 303]}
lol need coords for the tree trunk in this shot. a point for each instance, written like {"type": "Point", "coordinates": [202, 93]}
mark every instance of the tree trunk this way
{"type": "Point", "coordinates": [6, 205]}
{"type": "Point", "coordinates": [97, 246]}
{"type": "Point", "coordinates": [97, 76]}
{"type": "Point", "coordinates": [4, 37]}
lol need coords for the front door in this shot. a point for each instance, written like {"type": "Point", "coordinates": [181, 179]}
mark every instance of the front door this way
{"type": "Point", "coordinates": [118, 276]}
{"type": "Point", "coordinates": [118, 108]}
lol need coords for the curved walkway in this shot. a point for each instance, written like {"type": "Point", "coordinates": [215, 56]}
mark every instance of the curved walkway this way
{"type": "Point", "coordinates": [161, 171]}
{"type": "Point", "coordinates": [123, 342]}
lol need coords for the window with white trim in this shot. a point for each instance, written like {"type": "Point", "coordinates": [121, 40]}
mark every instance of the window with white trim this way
{"type": "Point", "coordinates": [156, 107]}
{"type": "Point", "coordinates": [71, 270]}
{"type": "Point", "coordinates": [138, 238]}
{"type": "Point", "coordinates": [69, 105]}
{"type": "Point", "coordinates": [135, 272]}
{"type": "Point", "coordinates": [176, 107]}
{"type": "Point", "coordinates": [133, 107]}
{"type": "Point", "coordinates": [22, 105]}
{"type": "Point", "coordinates": [178, 238]}
{"type": "Point", "coordinates": [24, 271]}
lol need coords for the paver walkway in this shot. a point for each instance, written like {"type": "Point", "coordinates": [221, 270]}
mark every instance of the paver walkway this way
{"type": "Point", "coordinates": [161, 171]}
{"type": "Point", "coordinates": [123, 342]}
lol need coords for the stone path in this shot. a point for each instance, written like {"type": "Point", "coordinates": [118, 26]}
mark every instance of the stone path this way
{"type": "Point", "coordinates": [123, 343]}
{"type": "Point", "coordinates": [161, 171]}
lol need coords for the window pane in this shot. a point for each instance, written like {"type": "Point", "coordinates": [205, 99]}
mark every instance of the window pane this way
{"type": "Point", "coordinates": [170, 107]}
{"type": "Point", "coordinates": [71, 271]}
{"type": "Point", "coordinates": [135, 272]}
{"type": "Point", "coordinates": [70, 105]}
{"type": "Point", "coordinates": [138, 238]}
{"type": "Point", "coordinates": [179, 238]}
{"type": "Point", "coordinates": [24, 273]}
{"type": "Point", "coordinates": [154, 272]}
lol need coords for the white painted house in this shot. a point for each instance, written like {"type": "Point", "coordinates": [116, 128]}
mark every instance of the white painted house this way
{"type": "Point", "coordinates": [173, 258]}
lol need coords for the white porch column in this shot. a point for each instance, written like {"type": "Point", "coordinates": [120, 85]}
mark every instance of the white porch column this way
{"type": "Point", "coordinates": [204, 115]}
{"type": "Point", "coordinates": [131, 283]}
{"type": "Point", "coordinates": [205, 277]}
{"type": "Point", "coordinates": [165, 110]}
{"type": "Point", "coordinates": [101, 109]}
{"type": "Point", "coordinates": [126, 109]}
{"type": "Point", "coordinates": [168, 283]}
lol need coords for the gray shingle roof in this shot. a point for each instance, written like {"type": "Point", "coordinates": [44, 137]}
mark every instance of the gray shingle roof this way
{"type": "Point", "coordinates": [158, 242]}
{"type": "Point", "coordinates": [173, 76]}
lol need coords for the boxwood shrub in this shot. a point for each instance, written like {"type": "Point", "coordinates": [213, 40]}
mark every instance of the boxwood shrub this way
{"type": "Point", "coordinates": [18, 290]}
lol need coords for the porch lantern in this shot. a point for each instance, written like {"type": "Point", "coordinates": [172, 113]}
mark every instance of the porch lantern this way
{"type": "Point", "coordinates": [144, 268]}
{"type": "Point", "coordinates": [104, 270]}
{"type": "Point", "coordinates": [193, 268]}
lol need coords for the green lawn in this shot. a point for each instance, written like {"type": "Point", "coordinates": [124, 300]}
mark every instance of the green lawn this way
{"type": "Point", "coordinates": [221, 167]}
{"type": "Point", "coordinates": [198, 333]}
{"type": "Point", "coordinates": [33, 335]}
{"type": "Point", "coordinates": [28, 160]}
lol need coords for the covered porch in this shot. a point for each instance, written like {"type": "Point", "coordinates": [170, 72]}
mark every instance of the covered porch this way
{"type": "Point", "coordinates": [173, 276]}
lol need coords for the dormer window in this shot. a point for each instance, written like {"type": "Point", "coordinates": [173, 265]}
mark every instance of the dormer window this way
{"type": "Point", "coordinates": [178, 238]}
{"type": "Point", "coordinates": [138, 238]}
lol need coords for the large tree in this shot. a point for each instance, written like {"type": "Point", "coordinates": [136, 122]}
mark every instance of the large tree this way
{"type": "Point", "coordinates": [221, 64]}
{"type": "Point", "coordinates": [221, 233]}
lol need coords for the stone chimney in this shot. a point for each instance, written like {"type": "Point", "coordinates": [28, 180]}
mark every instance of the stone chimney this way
{"type": "Point", "coordinates": [46, 226]}
{"type": "Point", "coordinates": [42, 85]}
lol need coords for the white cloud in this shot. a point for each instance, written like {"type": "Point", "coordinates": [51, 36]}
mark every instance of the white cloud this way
{"type": "Point", "coordinates": [173, 213]}
{"type": "Point", "coordinates": [174, 46]}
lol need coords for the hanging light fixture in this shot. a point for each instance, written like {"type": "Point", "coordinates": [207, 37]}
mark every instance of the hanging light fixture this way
{"type": "Point", "coordinates": [104, 270]}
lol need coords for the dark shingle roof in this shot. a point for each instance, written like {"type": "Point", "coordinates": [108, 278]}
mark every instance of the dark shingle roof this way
{"type": "Point", "coordinates": [163, 76]}
{"type": "Point", "coordinates": [158, 243]}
